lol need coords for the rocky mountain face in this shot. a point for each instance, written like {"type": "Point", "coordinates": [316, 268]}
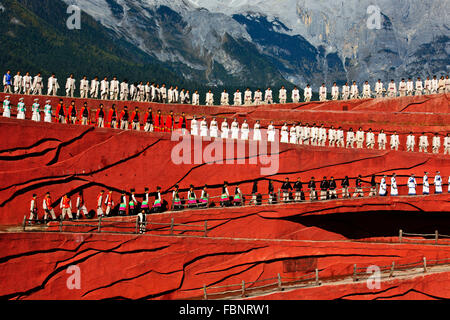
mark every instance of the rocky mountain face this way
{"type": "Point", "coordinates": [260, 43]}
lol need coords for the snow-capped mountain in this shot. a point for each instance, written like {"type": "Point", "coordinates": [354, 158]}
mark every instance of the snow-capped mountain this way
{"type": "Point", "coordinates": [260, 42]}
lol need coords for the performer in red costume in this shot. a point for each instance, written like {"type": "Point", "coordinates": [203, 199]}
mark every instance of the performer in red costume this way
{"type": "Point", "coordinates": [85, 114]}
{"type": "Point", "coordinates": [159, 122]}
{"type": "Point", "coordinates": [135, 120]}
{"type": "Point", "coordinates": [182, 123]}
{"type": "Point", "coordinates": [72, 114]}
{"type": "Point", "coordinates": [111, 122]}
{"type": "Point", "coordinates": [100, 117]}
{"type": "Point", "coordinates": [170, 122]}
{"type": "Point", "coordinates": [60, 112]}
{"type": "Point", "coordinates": [124, 118]}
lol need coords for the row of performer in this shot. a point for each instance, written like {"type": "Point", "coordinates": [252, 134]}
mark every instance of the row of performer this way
{"type": "Point", "coordinates": [152, 92]}
{"type": "Point", "coordinates": [326, 189]}
{"type": "Point", "coordinates": [297, 133]}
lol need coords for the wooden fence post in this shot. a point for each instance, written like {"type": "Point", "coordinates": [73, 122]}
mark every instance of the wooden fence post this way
{"type": "Point", "coordinates": [171, 226]}
{"type": "Point", "coordinates": [400, 235]}
{"type": "Point", "coordinates": [436, 236]}
{"type": "Point", "coordinates": [354, 273]}
{"type": "Point", "coordinates": [24, 222]}
{"type": "Point", "coordinates": [424, 264]}
{"type": "Point", "coordinates": [243, 288]}
{"type": "Point", "coordinates": [317, 277]}
{"type": "Point", "coordinates": [205, 295]}
{"type": "Point", "coordinates": [392, 269]}
{"type": "Point", "coordinates": [280, 287]}
{"type": "Point", "coordinates": [206, 228]}
{"type": "Point", "coordinates": [99, 224]}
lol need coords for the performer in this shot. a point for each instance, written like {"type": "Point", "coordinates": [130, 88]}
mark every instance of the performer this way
{"type": "Point", "coordinates": [322, 139]}
{"type": "Point", "coordinates": [367, 93]}
{"type": "Point", "coordinates": [409, 87]}
{"type": "Point", "coordinates": [47, 206]}
{"type": "Point", "coordinates": [52, 85]}
{"type": "Point", "coordinates": [191, 197]}
{"type": "Point", "coordinates": [70, 86]}
{"type": "Point", "coordinates": [258, 97]}
{"type": "Point", "coordinates": [204, 197]}
{"type": "Point", "coordinates": [350, 139]}
{"type": "Point", "coordinates": [104, 88]}
{"type": "Point", "coordinates": [437, 183]}
{"type": "Point", "coordinates": [340, 137]}
{"type": "Point", "coordinates": [394, 189]}
{"type": "Point", "coordinates": [447, 144]}
{"type": "Point", "coordinates": [286, 189]}
{"type": "Point", "coordinates": [354, 92]}
{"type": "Point", "coordinates": [247, 97]}
{"type": "Point", "coordinates": [324, 185]}
{"type": "Point", "coordinates": [27, 83]}
{"type": "Point", "coordinates": [94, 88]}
{"type": "Point", "coordinates": [314, 134]}
{"type": "Point", "coordinates": [182, 124]}
{"type": "Point", "coordinates": [306, 135]}
{"type": "Point", "coordinates": [272, 196]}
{"type": "Point", "coordinates": [282, 95]}
{"type": "Point", "coordinates": [245, 130]}
{"type": "Point", "coordinates": [84, 87]}
{"type": "Point", "coordinates": [72, 114]}
{"type": "Point", "coordinates": [124, 90]}
{"type": "Point", "coordinates": [383, 187]}
{"type": "Point", "coordinates": [148, 120]}
{"type": "Point", "coordinates": [124, 118]}
{"type": "Point", "coordinates": [345, 91]}
{"type": "Point", "coordinates": [268, 97]}
{"type": "Point", "coordinates": [7, 82]}
{"type": "Point", "coordinates": [358, 189]}
{"type": "Point", "coordinates": [392, 89]}
{"type": "Point", "coordinates": [159, 122]}
{"type": "Point", "coordinates": [419, 87]}
{"type": "Point", "coordinates": [402, 88]}
{"type": "Point", "coordinates": [209, 98]}
{"type": "Point", "coordinates": [257, 132]}
{"type": "Point", "coordinates": [312, 189]}
{"type": "Point", "coordinates": [21, 109]}
{"type": "Point", "coordinates": [81, 206]}
{"type": "Point", "coordinates": [295, 95]}
{"type": "Point", "coordinates": [284, 134]}
{"type": "Point", "coordinates": [237, 98]}
{"type": "Point", "coordinates": [410, 142]}
{"type": "Point", "coordinates": [395, 141]}
{"type": "Point", "coordinates": [423, 143]}
{"type": "Point", "coordinates": [100, 117]}
{"type": "Point", "coordinates": [412, 185]}
{"type": "Point", "coordinates": [176, 200]}
{"type": "Point", "coordinates": [195, 98]}
{"type": "Point", "coordinates": [298, 187]}
{"type": "Point", "coordinates": [66, 207]}
{"type": "Point", "coordinates": [37, 84]}
{"type": "Point", "coordinates": [373, 187]}
{"type": "Point", "coordinates": [135, 120]}
{"type": "Point", "coordinates": [427, 86]}
{"type": "Point", "coordinates": [345, 184]}
{"type": "Point", "coordinates": [234, 129]}
{"type": "Point", "coordinates": [359, 138]}
{"type": "Point", "coordinates": [332, 186]}
{"type": "Point", "coordinates": [254, 199]}
{"type": "Point", "coordinates": [60, 112]}
{"type": "Point", "coordinates": [271, 132]}
{"type": "Point", "coordinates": [48, 112]}
{"type": "Point", "coordinates": [370, 139]}
{"type": "Point", "coordinates": [33, 209]}
{"type": "Point", "coordinates": [36, 112]}
{"type": "Point", "coordinates": [293, 134]}
{"type": "Point", "coordinates": [332, 135]}
{"type": "Point", "coordinates": [145, 202]}
{"type": "Point", "coordinates": [100, 212]}
{"type": "Point", "coordinates": [132, 204]}
{"type": "Point", "coordinates": [142, 221]}
{"type": "Point", "coordinates": [335, 92]}
{"type": "Point", "coordinates": [436, 143]}
{"type": "Point", "coordinates": [194, 126]}
{"type": "Point", "coordinates": [7, 107]}
{"type": "Point", "coordinates": [112, 118]}
{"type": "Point", "coordinates": [224, 129]}
{"type": "Point", "coordinates": [225, 197]}
{"type": "Point", "coordinates": [379, 89]}
{"type": "Point", "coordinates": [323, 93]}
{"type": "Point", "coordinates": [224, 98]}
{"type": "Point", "coordinates": [123, 204]}
{"type": "Point", "coordinates": [17, 83]}
{"type": "Point", "coordinates": [308, 93]}
{"type": "Point", "coordinates": [425, 184]}
{"type": "Point", "coordinates": [213, 128]}
{"type": "Point", "coordinates": [203, 127]}
{"type": "Point", "coordinates": [237, 199]}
